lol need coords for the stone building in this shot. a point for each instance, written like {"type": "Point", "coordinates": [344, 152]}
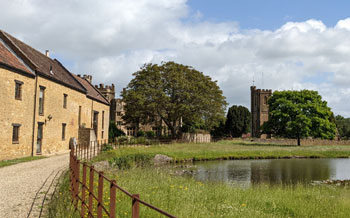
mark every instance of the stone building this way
{"type": "Point", "coordinates": [117, 111]}
{"type": "Point", "coordinates": [43, 105]}
{"type": "Point", "coordinates": [259, 110]}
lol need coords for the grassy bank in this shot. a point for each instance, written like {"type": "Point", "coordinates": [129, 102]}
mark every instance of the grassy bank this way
{"type": "Point", "coordinates": [5, 163]}
{"type": "Point", "coordinates": [230, 150]}
{"type": "Point", "coordinates": [185, 197]}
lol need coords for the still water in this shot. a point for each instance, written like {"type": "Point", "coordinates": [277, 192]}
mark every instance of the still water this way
{"type": "Point", "coordinates": [279, 171]}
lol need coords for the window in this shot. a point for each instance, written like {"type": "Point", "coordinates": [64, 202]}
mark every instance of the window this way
{"type": "Point", "coordinates": [79, 116]}
{"type": "Point", "coordinates": [119, 113]}
{"type": "Point", "coordinates": [18, 90]}
{"type": "Point", "coordinates": [15, 133]}
{"type": "Point", "coordinates": [103, 120]}
{"type": "Point", "coordinates": [63, 131]}
{"type": "Point", "coordinates": [102, 134]}
{"type": "Point", "coordinates": [265, 100]}
{"type": "Point", "coordinates": [130, 131]}
{"type": "Point", "coordinates": [119, 123]}
{"type": "Point", "coordinates": [65, 100]}
{"type": "Point", "coordinates": [41, 100]}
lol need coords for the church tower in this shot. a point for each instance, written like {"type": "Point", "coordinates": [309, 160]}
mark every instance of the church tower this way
{"type": "Point", "coordinates": [259, 109]}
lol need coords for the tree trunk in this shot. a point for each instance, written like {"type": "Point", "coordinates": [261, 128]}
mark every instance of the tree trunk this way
{"type": "Point", "coordinates": [298, 139]}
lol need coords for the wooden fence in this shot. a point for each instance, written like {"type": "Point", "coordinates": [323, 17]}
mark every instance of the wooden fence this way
{"type": "Point", "coordinates": [86, 201]}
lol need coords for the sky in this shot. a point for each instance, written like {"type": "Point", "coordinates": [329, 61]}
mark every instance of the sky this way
{"type": "Point", "coordinates": [280, 45]}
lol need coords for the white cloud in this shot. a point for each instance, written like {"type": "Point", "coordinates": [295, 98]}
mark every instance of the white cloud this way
{"type": "Point", "coordinates": [113, 39]}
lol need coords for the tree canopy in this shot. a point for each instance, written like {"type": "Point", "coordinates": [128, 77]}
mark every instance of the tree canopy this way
{"type": "Point", "coordinates": [173, 93]}
{"type": "Point", "coordinates": [297, 114]}
{"type": "Point", "coordinates": [343, 126]}
{"type": "Point", "coordinates": [237, 121]}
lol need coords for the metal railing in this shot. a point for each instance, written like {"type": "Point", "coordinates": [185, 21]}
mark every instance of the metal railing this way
{"type": "Point", "coordinates": [86, 201]}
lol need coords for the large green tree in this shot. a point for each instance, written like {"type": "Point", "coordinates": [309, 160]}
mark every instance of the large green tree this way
{"type": "Point", "coordinates": [173, 93]}
{"type": "Point", "coordinates": [237, 121]}
{"type": "Point", "coordinates": [298, 114]}
{"type": "Point", "coordinates": [343, 126]}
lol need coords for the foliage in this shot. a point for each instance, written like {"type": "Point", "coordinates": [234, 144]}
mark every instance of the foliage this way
{"type": "Point", "coordinates": [131, 160]}
{"type": "Point", "coordinates": [237, 121]}
{"type": "Point", "coordinates": [297, 114]}
{"type": "Point", "coordinates": [172, 93]}
{"type": "Point", "coordinates": [140, 133]}
{"type": "Point", "coordinates": [114, 131]}
{"type": "Point", "coordinates": [219, 131]}
{"type": "Point", "coordinates": [107, 147]}
{"type": "Point", "coordinates": [150, 134]}
{"type": "Point", "coordinates": [343, 126]}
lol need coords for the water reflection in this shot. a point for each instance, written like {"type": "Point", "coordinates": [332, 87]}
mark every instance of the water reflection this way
{"type": "Point", "coordinates": [280, 171]}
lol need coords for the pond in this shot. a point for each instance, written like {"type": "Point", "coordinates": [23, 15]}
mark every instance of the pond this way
{"type": "Point", "coordinates": [276, 171]}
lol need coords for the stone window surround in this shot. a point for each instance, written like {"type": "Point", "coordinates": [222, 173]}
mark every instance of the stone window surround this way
{"type": "Point", "coordinates": [41, 112]}
{"type": "Point", "coordinates": [18, 92]}
{"type": "Point", "coordinates": [15, 138]}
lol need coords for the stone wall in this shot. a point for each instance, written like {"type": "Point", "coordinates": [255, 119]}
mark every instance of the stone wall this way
{"type": "Point", "coordinates": [13, 111]}
{"type": "Point", "coordinates": [196, 137]}
{"type": "Point", "coordinates": [22, 112]}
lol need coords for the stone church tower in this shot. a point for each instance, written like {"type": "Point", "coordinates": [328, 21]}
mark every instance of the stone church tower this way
{"type": "Point", "coordinates": [259, 109]}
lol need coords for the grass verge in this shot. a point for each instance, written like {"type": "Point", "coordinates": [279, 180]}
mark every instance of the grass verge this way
{"type": "Point", "coordinates": [5, 163]}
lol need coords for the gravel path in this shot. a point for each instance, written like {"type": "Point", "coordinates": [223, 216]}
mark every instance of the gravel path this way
{"type": "Point", "coordinates": [25, 187]}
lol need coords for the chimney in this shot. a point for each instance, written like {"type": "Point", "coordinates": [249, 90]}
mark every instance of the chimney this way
{"type": "Point", "coordinates": [88, 78]}
{"type": "Point", "coordinates": [47, 53]}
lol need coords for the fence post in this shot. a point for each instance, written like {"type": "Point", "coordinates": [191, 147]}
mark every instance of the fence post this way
{"type": "Point", "coordinates": [83, 191]}
{"type": "Point", "coordinates": [112, 199]}
{"type": "Point", "coordinates": [77, 179]}
{"type": "Point", "coordinates": [91, 190]}
{"type": "Point", "coordinates": [135, 206]}
{"type": "Point", "coordinates": [100, 195]}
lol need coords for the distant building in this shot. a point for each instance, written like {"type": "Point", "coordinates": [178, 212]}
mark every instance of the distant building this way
{"type": "Point", "coordinates": [43, 105]}
{"type": "Point", "coordinates": [117, 111]}
{"type": "Point", "coordinates": [259, 110]}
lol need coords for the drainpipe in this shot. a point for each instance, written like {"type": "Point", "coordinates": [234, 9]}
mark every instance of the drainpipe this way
{"type": "Point", "coordinates": [36, 85]}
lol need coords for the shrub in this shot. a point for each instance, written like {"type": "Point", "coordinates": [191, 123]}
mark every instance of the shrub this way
{"type": "Point", "coordinates": [150, 134]}
{"type": "Point", "coordinates": [107, 147]}
{"type": "Point", "coordinates": [131, 160]}
{"type": "Point", "coordinates": [140, 133]}
{"type": "Point", "coordinates": [122, 140]}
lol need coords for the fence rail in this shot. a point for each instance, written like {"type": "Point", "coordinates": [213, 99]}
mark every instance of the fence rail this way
{"type": "Point", "coordinates": [86, 201]}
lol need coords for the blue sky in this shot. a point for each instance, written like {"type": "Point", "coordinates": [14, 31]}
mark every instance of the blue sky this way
{"type": "Point", "coordinates": [271, 14]}
{"type": "Point", "coordinates": [294, 44]}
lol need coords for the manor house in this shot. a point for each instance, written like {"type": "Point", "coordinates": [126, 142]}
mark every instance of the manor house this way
{"type": "Point", "coordinates": [43, 105]}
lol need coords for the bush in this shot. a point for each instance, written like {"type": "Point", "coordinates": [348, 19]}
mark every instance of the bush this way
{"type": "Point", "coordinates": [140, 133]}
{"type": "Point", "coordinates": [122, 140]}
{"type": "Point", "coordinates": [131, 160]}
{"type": "Point", "coordinates": [150, 134]}
{"type": "Point", "coordinates": [107, 147]}
{"type": "Point", "coordinates": [114, 131]}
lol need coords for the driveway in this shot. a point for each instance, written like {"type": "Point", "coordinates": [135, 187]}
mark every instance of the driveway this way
{"type": "Point", "coordinates": [26, 187]}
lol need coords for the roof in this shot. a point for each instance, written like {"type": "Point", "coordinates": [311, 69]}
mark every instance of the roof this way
{"type": "Point", "coordinates": [92, 92]}
{"type": "Point", "coordinates": [40, 63]}
{"type": "Point", "coordinates": [10, 60]}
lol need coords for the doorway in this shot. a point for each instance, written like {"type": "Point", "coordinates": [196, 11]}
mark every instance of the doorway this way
{"type": "Point", "coordinates": [39, 141]}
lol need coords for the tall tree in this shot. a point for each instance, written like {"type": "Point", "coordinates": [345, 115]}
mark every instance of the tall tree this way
{"type": "Point", "coordinates": [298, 114]}
{"type": "Point", "coordinates": [343, 126]}
{"type": "Point", "coordinates": [173, 93]}
{"type": "Point", "coordinates": [237, 121]}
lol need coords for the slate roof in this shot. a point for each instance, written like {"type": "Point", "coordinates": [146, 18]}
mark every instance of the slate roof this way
{"type": "Point", "coordinates": [92, 92]}
{"type": "Point", "coordinates": [10, 60]}
{"type": "Point", "coordinates": [42, 64]}
{"type": "Point", "coordinates": [50, 68]}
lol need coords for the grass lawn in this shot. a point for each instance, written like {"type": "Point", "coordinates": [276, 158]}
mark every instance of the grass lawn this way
{"type": "Point", "coordinates": [186, 197]}
{"type": "Point", "coordinates": [5, 163]}
{"type": "Point", "coordinates": [231, 150]}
